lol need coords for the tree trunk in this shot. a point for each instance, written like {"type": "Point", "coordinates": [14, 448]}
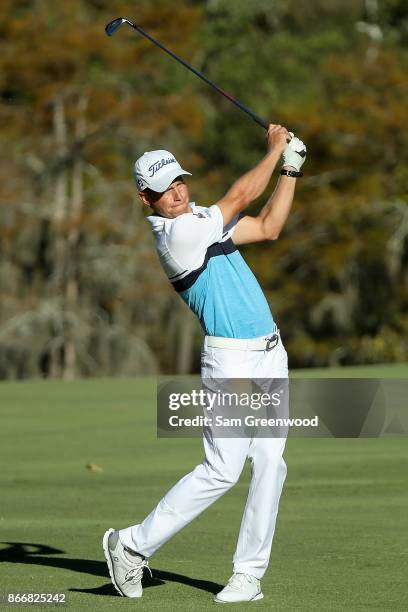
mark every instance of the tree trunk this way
{"type": "Point", "coordinates": [374, 30]}
{"type": "Point", "coordinates": [58, 219]}
{"type": "Point", "coordinates": [77, 198]}
{"type": "Point", "coordinates": [186, 326]}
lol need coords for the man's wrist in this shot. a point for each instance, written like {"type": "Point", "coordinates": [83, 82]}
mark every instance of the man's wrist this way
{"type": "Point", "coordinates": [286, 167]}
{"type": "Point", "coordinates": [274, 152]}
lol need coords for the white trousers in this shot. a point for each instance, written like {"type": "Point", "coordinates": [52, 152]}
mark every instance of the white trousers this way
{"type": "Point", "coordinates": [221, 469]}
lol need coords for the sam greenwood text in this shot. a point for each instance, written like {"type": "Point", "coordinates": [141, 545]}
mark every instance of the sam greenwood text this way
{"type": "Point", "coordinates": [249, 421]}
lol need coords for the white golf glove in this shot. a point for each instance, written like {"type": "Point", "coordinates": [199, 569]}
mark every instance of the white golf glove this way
{"type": "Point", "coordinates": [295, 153]}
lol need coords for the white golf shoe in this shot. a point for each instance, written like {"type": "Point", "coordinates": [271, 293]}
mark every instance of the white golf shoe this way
{"type": "Point", "coordinates": [125, 567]}
{"type": "Point", "coordinates": [240, 587]}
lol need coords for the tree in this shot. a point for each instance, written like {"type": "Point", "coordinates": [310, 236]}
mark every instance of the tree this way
{"type": "Point", "coordinates": [335, 73]}
{"type": "Point", "coordinates": [77, 108]}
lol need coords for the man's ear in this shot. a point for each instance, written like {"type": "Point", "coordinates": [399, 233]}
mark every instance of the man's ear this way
{"type": "Point", "coordinates": [144, 198]}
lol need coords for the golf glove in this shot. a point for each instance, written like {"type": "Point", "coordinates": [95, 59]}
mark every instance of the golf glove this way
{"type": "Point", "coordinates": [295, 153]}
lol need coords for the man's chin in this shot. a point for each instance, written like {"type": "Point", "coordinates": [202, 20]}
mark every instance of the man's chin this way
{"type": "Point", "coordinates": [180, 209]}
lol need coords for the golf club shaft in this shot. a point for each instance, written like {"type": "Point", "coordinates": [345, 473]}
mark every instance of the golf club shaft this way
{"type": "Point", "coordinates": [237, 103]}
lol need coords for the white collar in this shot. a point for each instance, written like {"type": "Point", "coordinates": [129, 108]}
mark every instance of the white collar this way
{"type": "Point", "coordinates": [157, 222]}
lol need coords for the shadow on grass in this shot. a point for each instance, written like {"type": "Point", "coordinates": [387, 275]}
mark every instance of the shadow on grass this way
{"type": "Point", "coordinates": [34, 554]}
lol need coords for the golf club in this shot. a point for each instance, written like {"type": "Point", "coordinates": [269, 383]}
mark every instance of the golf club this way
{"type": "Point", "coordinates": [117, 23]}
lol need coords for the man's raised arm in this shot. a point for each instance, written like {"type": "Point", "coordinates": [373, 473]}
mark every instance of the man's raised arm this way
{"type": "Point", "coordinates": [252, 184]}
{"type": "Point", "coordinates": [270, 221]}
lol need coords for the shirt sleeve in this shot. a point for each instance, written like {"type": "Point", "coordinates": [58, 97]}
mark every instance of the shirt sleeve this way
{"type": "Point", "coordinates": [191, 234]}
{"type": "Point", "coordinates": [230, 227]}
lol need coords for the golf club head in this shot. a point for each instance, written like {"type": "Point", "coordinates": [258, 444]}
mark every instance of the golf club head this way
{"type": "Point", "coordinates": [115, 25]}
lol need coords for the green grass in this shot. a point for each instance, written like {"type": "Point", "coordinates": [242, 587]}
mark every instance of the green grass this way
{"type": "Point", "coordinates": [341, 539]}
{"type": "Point", "coordinates": [386, 370]}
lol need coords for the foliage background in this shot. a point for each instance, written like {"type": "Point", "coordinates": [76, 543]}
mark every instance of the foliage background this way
{"type": "Point", "coordinates": [82, 293]}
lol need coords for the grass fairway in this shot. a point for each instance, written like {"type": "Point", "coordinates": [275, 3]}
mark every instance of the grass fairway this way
{"type": "Point", "coordinates": [341, 540]}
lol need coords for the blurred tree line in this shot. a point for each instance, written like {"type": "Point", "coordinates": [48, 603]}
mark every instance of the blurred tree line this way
{"type": "Point", "coordinates": [82, 292]}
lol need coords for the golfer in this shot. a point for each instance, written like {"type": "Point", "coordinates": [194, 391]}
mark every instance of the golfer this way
{"type": "Point", "coordinates": [198, 250]}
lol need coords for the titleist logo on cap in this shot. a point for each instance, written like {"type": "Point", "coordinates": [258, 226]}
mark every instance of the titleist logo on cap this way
{"type": "Point", "coordinates": [159, 164]}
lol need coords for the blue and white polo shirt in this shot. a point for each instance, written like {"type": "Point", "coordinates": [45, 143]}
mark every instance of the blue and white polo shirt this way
{"type": "Point", "coordinates": [205, 267]}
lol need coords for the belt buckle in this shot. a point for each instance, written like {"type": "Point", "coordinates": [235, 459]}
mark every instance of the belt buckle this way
{"type": "Point", "coordinates": [269, 341]}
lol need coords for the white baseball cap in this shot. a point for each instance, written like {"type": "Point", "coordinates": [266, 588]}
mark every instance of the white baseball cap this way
{"type": "Point", "coordinates": [156, 170]}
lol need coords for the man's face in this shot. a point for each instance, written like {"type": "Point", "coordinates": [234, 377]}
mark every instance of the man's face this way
{"type": "Point", "coordinates": [172, 202]}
